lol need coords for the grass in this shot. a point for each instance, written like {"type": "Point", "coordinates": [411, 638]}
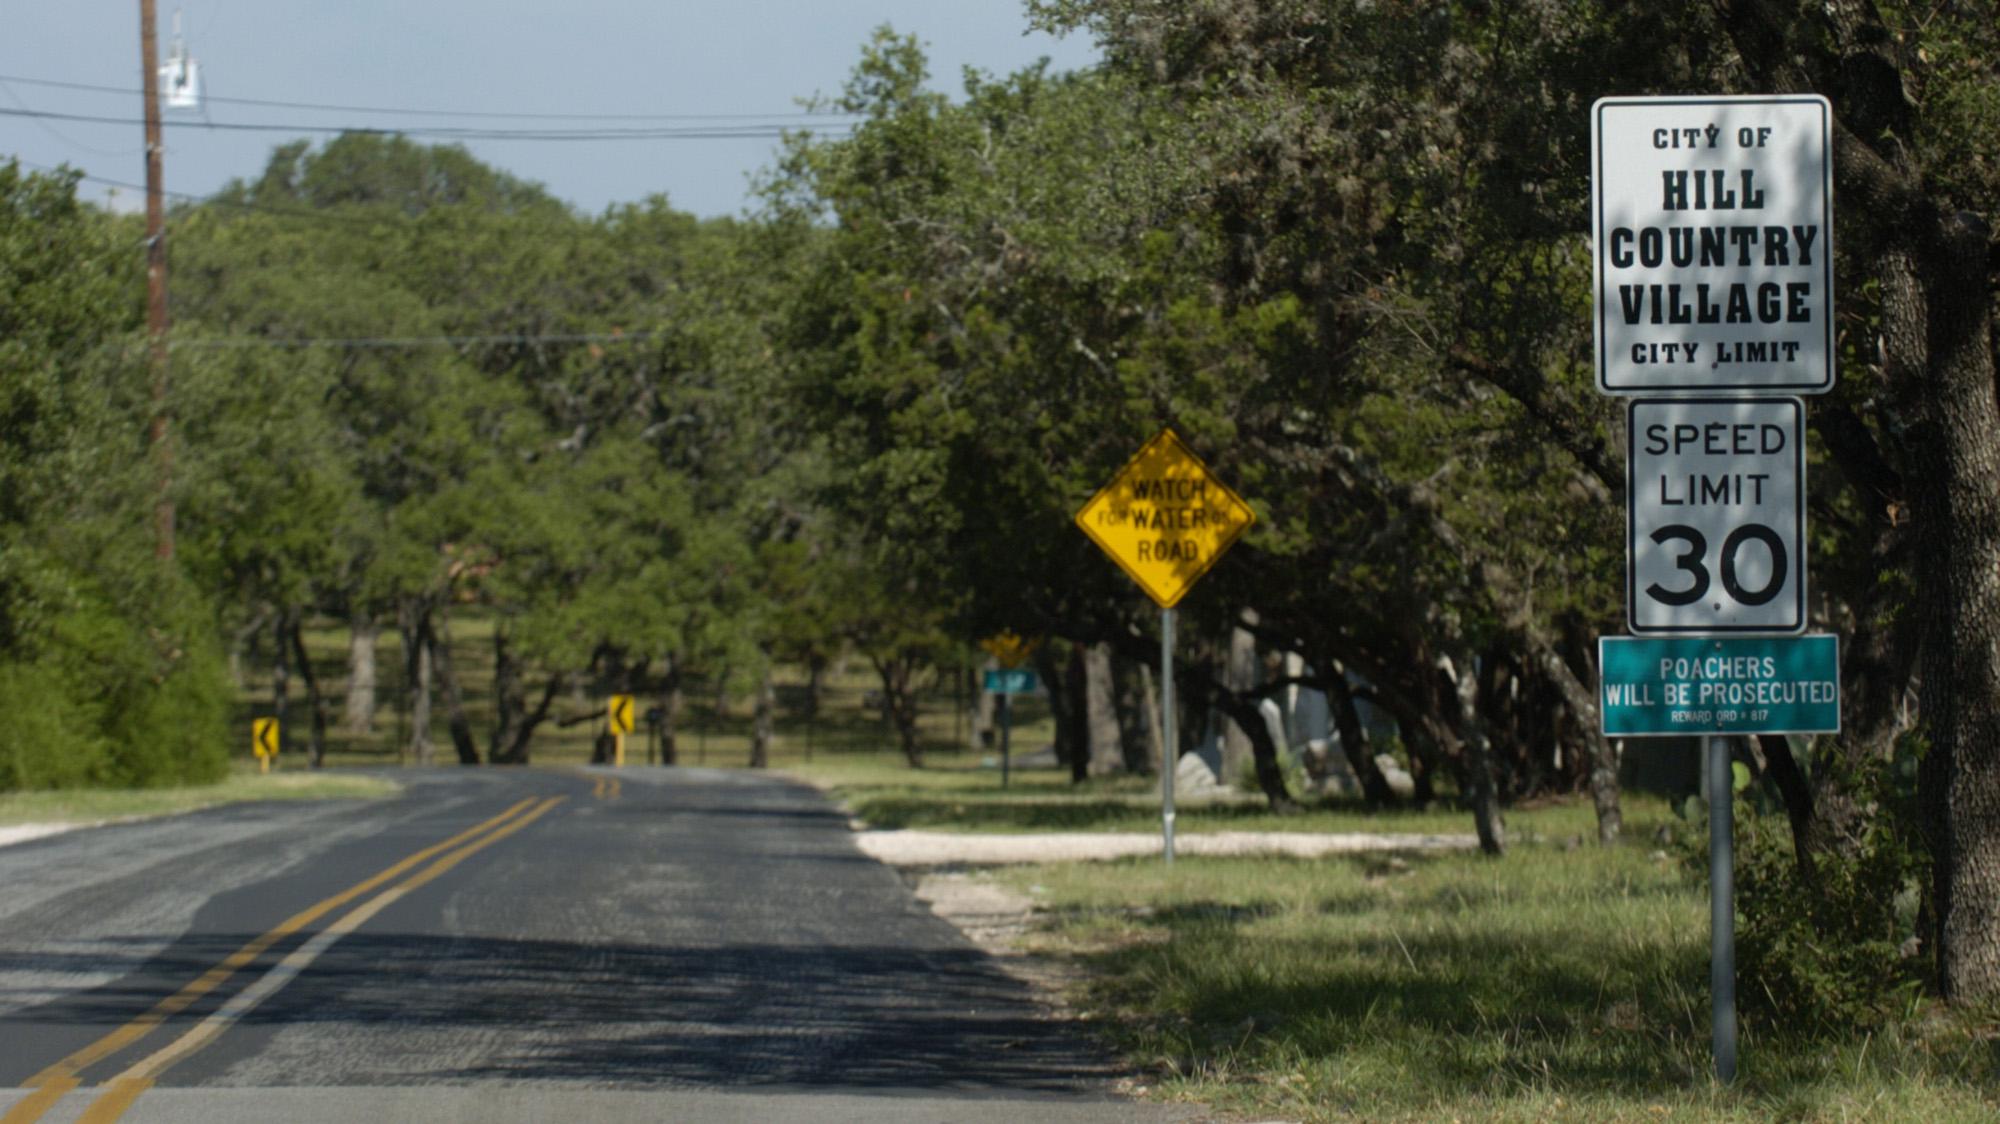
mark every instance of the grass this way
{"type": "Point", "coordinates": [92, 805]}
{"type": "Point", "coordinates": [1551, 984]}
{"type": "Point", "coordinates": [1559, 982]}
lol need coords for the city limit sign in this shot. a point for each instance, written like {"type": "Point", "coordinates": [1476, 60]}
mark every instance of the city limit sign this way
{"type": "Point", "coordinates": [1165, 519]}
{"type": "Point", "coordinates": [1712, 222]}
{"type": "Point", "coordinates": [1715, 515]}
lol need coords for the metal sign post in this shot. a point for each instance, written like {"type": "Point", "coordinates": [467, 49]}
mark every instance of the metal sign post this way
{"type": "Point", "coordinates": [1168, 758]}
{"type": "Point", "coordinates": [1166, 520]}
{"type": "Point", "coordinates": [1721, 907]}
{"type": "Point", "coordinates": [1006, 726]}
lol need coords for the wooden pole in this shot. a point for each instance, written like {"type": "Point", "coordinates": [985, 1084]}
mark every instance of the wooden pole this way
{"type": "Point", "coordinates": [156, 286]}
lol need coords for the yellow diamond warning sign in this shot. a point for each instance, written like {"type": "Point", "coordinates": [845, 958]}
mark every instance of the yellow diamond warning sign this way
{"type": "Point", "coordinates": [1165, 519]}
{"type": "Point", "coordinates": [1011, 650]}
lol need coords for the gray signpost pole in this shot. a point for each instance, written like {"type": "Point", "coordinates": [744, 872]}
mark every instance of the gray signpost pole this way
{"type": "Point", "coordinates": [1168, 737]}
{"type": "Point", "coordinates": [1721, 908]}
{"type": "Point", "coordinates": [1006, 721]}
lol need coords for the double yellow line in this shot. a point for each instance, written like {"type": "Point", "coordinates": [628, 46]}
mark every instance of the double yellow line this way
{"type": "Point", "coordinates": [60, 1078]}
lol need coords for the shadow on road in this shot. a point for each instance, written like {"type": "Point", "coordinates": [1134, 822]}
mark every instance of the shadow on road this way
{"type": "Point", "coordinates": [858, 1018]}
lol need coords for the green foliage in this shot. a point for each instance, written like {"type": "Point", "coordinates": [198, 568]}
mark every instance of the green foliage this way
{"type": "Point", "coordinates": [42, 743]}
{"type": "Point", "coordinates": [128, 690]}
{"type": "Point", "coordinates": [1565, 985]}
{"type": "Point", "coordinates": [1840, 949]}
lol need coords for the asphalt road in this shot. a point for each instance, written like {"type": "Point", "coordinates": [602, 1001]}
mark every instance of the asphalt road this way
{"type": "Point", "coordinates": [495, 945]}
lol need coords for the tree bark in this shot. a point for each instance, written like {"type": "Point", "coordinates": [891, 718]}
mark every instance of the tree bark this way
{"type": "Point", "coordinates": [1354, 741]}
{"type": "Point", "coordinates": [1797, 794]}
{"type": "Point", "coordinates": [358, 714]}
{"type": "Point", "coordinates": [671, 701]}
{"type": "Point", "coordinates": [315, 701]}
{"type": "Point", "coordinates": [1243, 711]}
{"type": "Point", "coordinates": [760, 723]}
{"type": "Point", "coordinates": [1957, 501]}
{"type": "Point", "coordinates": [1476, 758]}
{"type": "Point", "coordinates": [1582, 704]}
{"type": "Point", "coordinates": [281, 675]}
{"type": "Point", "coordinates": [897, 672]}
{"type": "Point", "coordinates": [1065, 686]}
{"type": "Point", "coordinates": [438, 642]}
{"type": "Point", "coordinates": [413, 623]}
{"type": "Point", "coordinates": [1138, 734]}
{"type": "Point", "coordinates": [1240, 677]}
{"type": "Point", "coordinates": [1100, 700]}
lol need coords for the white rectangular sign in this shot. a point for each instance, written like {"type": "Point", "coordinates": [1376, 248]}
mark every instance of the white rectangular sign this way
{"type": "Point", "coordinates": [1713, 229]}
{"type": "Point", "coordinates": [1715, 515]}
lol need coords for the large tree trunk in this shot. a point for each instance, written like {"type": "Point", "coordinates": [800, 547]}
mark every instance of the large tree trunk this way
{"type": "Point", "coordinates": [1240, 677]}
{"type": "Point", "coordinates": [281, 676]}
{"type": "Point", "coordinates": [1354, 741]}
{"type": "Point", "coordinates": [514, 721]}
{"type": "Point", "coordinates": [1582, 704]}
{"type": "Point", "coordinates": [897, 672]}
{"type": "Point", "coordinates": [1476, 757]}
{"type": "Point", "coordinates": [1957, 500]}
{"type": "Point", "coordinates": [358, 715]}
{"type": "Point", "coordinates": [438, 638]}
{"type": "Point", "coordinates": [673, 701]}
{"type": "Point", "coordinates": [1100, 699]}
{"type": "Point", "coordinates": [509, 708]}
{"type": "Point", "coordinates": [760, 723]}
{"type": "Point", "coordinates": [1160, 756]}
{"type": "Point", "coordinates": [1138, 716]}
{"type": "Point", "coordinates": [316, 745]}
{"type": "Point", "coordinates": [1065, 687]}
{"type": "Point", "coordinates": [413, 621]}
{"type": "Point", "coordinates": [1243, 711]}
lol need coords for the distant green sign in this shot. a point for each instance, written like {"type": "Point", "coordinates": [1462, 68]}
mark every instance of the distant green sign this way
{"type": "Point", "coordinates": [1012, 681]}
{"type": "Point", "coordinates": [1659, 686]}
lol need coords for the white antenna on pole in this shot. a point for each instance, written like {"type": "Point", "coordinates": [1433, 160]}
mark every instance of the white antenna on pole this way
{"type": "Point", "coordinates": [180, 75]}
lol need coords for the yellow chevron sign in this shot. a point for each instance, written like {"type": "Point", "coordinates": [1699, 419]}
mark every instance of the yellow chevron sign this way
{"type": "Point", "coordinates": [264, 738]}
{"type": "Point", "coordinates": [620, 712]}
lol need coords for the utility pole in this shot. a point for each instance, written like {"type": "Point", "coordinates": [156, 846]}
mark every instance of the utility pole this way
{"type": "Point", "coordinates": [156, 285]}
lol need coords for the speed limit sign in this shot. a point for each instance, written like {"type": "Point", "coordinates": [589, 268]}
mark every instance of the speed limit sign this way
{"type": "Point", "coordinates": [1715, 516]}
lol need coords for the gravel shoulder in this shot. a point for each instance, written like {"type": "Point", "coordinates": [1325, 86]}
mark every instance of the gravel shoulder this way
{"type": "Point", "coordinates": [905, 848]}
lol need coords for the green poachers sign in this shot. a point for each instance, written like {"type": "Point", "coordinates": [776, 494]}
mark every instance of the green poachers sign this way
{"type": "Point", "coordinates": [1658, 686]}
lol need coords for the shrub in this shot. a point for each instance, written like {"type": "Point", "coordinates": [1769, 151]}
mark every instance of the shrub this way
{"type": "Point", "coordinates": [49, 736]}
{"type": "Point", "coordinates": [1840, 951]}
{"type": "Point", "coordinates": [127, 691]}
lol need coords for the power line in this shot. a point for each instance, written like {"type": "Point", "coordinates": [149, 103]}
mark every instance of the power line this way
{"type": "Point", "coordinates": [698, 132]}
{"type": "Point", "coordinates": [468, 113]}
{"type": "Point", "coordinates": [315, 214]}
{"type": "Point", "coordinates": [236, 342]}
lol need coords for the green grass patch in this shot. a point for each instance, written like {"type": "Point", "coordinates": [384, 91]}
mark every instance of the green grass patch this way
{"type": "Point", "coordinates": [1551, 984]}
{"type": "Point", "coordinates": [92, 805]}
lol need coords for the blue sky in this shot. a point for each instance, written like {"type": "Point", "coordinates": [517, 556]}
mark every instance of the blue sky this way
{"type": "Point", "coordinates": [741, 57]}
